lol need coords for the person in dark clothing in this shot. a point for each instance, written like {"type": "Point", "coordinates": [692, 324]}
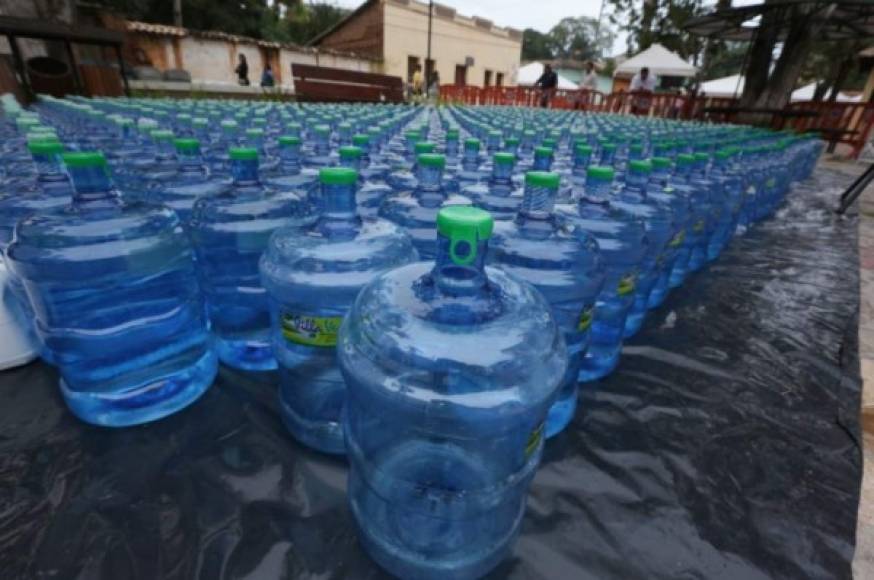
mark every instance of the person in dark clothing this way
{"type": "Point", "coordinates": [548, 83]}
{"type": "Point", "coordinates": [267, 78]}
{"type": "Point", "coordinates": [242, 71]}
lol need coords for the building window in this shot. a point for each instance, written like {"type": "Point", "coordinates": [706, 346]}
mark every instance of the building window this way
{"type": "Point", "coordinates": [499, 80]}
{"type": "Point", "coordinates": [487, 79]}
{"type": "Point", "coordinates": [460, 75]}
{"type": "Point", "coordinates": [412, 63]}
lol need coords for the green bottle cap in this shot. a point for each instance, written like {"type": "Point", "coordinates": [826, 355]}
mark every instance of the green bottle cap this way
{"type": "Point", "coordinates": [583, 149]}
{"type": "Point", "coordinates": [243, 153]}
{"type": "Point", "coordinates": [723, 154]}
{"type": "Point", "coordinates": [600, 173]}
{"type": "Point", "coordinates": [338, 176]}
{"type": "Point", "coordinates": [609, 146]}
{"type": "Point", "coordinates": [200, 122]}
{"type": "Point", "coordinates": [412, 135]}
{"type": "Point", "coordinates": [423, 147]}
{"type": "Point", "coordinates": [286, 140]}
{"type": "Point", "coordinates": [661, 162]}
{"type": "Point", "coordinates": [187, 145]}
{"type": "Point", "coordinates": [640, 166]}
{"type": "Point", "coordinates": [322, 129]}
{"type": "Point", "coordinates": [511, 141]}
{"type": "Point", "coordinates": [701, 156]}
{"type": "Point", "coordinates": [685, 159]}
{"type": "Point", "coordinates": [551, 143]}
{"type": "Point", "coordinates": [465, 226]}
{"type": "Point", "coordinates": [504, 158]}
{"type": "Point", "coordinates": [431, 160]}
{"type": "Point", "coordinates": [472, 143]}
{"type": "Point", "coordinates": [254, 132]}
{"type": "Point", "coordinates": [542, 179]}
{"type": "Point", "coordinates": [543, 151]}
{"type": "Point", "coordinates": [46, 147]}
{"type": "Point", "coordinates": [452, 134]}
{"type": "Point", "coordinates": [360, 140]}
{"type": "Point", "coordinates": [162, 135]}
{"type": "Point", "coordinates": [350, 152]}
{"type": "Point", "coordinates": [84, 159]}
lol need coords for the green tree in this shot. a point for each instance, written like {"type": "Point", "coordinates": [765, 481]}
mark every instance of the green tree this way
{"type": "Point", "coordinates": [580, 38]}
{"type": "Point", "coordinates": [536, 45]}
{"type": "Point", "coordinates": [658, 21]}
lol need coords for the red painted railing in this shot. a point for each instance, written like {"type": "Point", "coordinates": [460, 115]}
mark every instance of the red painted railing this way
{"type": "Point", "coordinates": [849, 123]}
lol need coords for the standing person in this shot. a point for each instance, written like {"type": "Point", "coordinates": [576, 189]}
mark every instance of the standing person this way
{"type": "Point", "coordinates": [642, 86]}
{"type": "Point", "coordinates": [418, 82]}
{"type": "Point", "coordinates": [548, 83]}
{"type": "Point", "coordinates": [267, 78]}
{"type": "Point", "coordinates": [242, 70]}
{"type": "Point", "coordinates": [434, 87]}
{"type": "Point", "coordinates": [589, 83]}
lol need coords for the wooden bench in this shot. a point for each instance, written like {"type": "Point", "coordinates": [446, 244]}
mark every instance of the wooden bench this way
{"type": "Point", "coordinates": [320, 83]}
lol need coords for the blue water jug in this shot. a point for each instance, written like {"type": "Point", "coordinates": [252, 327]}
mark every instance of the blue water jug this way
{"type": "Point", "coordinates": [451, 368]}
{"type": "Point", "coordinates": [191, 182]}
{"type": "Point", "coordinates": [117, 301]}
{"type": "Point", "coordinates": [313, 275]}
{"type": "Point", "coordinates": [565, 267]}
{"type": "Point", "coordinates": [416, 210]}
{"type": "Point", "coordinates": [368, 195]}
{"type": "Point", "coordinates": [230, 231]}
{"type": "Point", "coordinates": [623, 244]}
{"type": "Point", "coordinates": [499, 195]}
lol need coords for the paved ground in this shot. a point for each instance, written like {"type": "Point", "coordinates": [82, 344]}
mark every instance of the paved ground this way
{"type": "Point", "coordinates": [863, 564]}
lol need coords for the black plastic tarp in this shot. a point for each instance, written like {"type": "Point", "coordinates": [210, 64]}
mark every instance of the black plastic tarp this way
{"type": "Point", "coordinates": [725, 446]}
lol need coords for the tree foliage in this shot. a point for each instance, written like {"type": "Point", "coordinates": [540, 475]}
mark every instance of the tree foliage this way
{"type": "Point", "coordinates": [279, 20]}
{"type": "Point", "coordinates": [578, 38]}
{"type": "Point", "coordinates": [658, 21]}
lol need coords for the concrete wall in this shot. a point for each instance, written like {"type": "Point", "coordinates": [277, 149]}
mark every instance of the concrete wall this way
{"type": "Point", "coordinates": [454, 37]}
{"type": "Point", "coordinates": [214, 60]}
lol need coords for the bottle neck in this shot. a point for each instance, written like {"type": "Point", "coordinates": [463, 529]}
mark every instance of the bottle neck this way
{"type": "Point", "coordinates": [339, 218]}
{"type": "Point", "coordinates": [542, 163]}
{"type": "Point", "coordinates": [289, 159]}
{"type": "Point", "coordinates": [581, 164]}
{"type": "Point", "coordinates": [91, 185]}
{"type": "Point", "coordinates": [453, 273]}
{"type": "Point", "coordinates": [470, 160]}
{"type": "Point", "coordinates": [607, 156]}
{"type": "Point", "coordinates": [351, 163]}
{"type": "Point", "coordinates": [635, 184]}
{"type": "Point", "coordinates": [48, 168]}
{"type": "Point", "coordinates": [191, 165]}
{"type": "Point", "coordinates": [321, 144]}
{"type": "Point", "coordinates": [244, 171]}
{"type": "Point", "coordinates": [597, 191]}
{"type": "Point", "coordinates": [429, 178]}
{"type": "Point", "coordinates": [536, 208]}
{"type": "Point", "coordinates": [502, 172]}
{"type": "Point", "coordinates": [451, 148]}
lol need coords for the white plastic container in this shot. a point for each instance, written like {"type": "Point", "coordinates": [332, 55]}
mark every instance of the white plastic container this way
{"type": "Point", "coordinates": [18, 346]}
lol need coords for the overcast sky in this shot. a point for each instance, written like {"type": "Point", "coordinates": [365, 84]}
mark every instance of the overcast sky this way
{"type": "Point", "coordinates": [538, 14]}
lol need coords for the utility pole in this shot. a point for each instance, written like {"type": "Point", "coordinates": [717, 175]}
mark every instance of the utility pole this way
{"type": "Point", "coordinates": [177, 13]}
{"type": "Point", "coordinates": [428, 64]}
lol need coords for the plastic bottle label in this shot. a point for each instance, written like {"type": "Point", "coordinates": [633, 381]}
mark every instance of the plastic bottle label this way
{"type": "Point", "coordinates": [677, 240]}
{"type": "Point", "coordinates": [311, 330]}
{"type": "Point", "coordinates": [533, 440]}
{"type": "Point", "coordinates": [698, 227]}
{"type": "Point", "coordinates": [585, 320]}
{"type": "Point", "coordinates": [626, 285]}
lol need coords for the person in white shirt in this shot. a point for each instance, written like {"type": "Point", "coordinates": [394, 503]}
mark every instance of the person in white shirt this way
{"type": "Point", "coordinates": [643, 81]}
{"type": "Point", "coordinates": [590, 79]}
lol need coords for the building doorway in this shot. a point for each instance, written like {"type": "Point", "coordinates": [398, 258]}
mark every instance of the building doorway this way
{"type": "Point", "coordinates": [499, 80]}
{"type": "Point", "coordinates": [460, 75]}
{"type": "Point", "coordinates": [487, 79]}
{"type": "Point", "coordinates": [412, 63]}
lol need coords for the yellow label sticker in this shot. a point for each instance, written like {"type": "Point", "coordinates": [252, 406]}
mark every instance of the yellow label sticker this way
{"type": "Point", "coordinates": [585, 320]}
{"type": "Point", "coordinates": [771, 183]}
{"type": "Point", "coordinates": [534, 440]}
{"type": "Point", "coordinates": [626, 285]}
{"type": "Point", "coordinates": [311, 330]}
{"type": "Point", "coordinates": [698, 227]}
{"type": "Point", "coordinates": [677, 240]}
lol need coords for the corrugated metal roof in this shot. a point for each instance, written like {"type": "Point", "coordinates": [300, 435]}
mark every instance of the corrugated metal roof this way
{"type": "Point", "coordinates": [167, 30]}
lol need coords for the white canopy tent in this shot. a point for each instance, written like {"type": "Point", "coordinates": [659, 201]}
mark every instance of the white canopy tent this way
{"type": "Point", "coordinates": [659, 60]}
{"type": "Point", "coordinates": [529, 74]}
{"type": "Point", "coordinates": [730, 87]}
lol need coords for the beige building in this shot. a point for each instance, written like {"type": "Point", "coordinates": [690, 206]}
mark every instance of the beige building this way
{"type": "Point", "coordinates": [464, 50]}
